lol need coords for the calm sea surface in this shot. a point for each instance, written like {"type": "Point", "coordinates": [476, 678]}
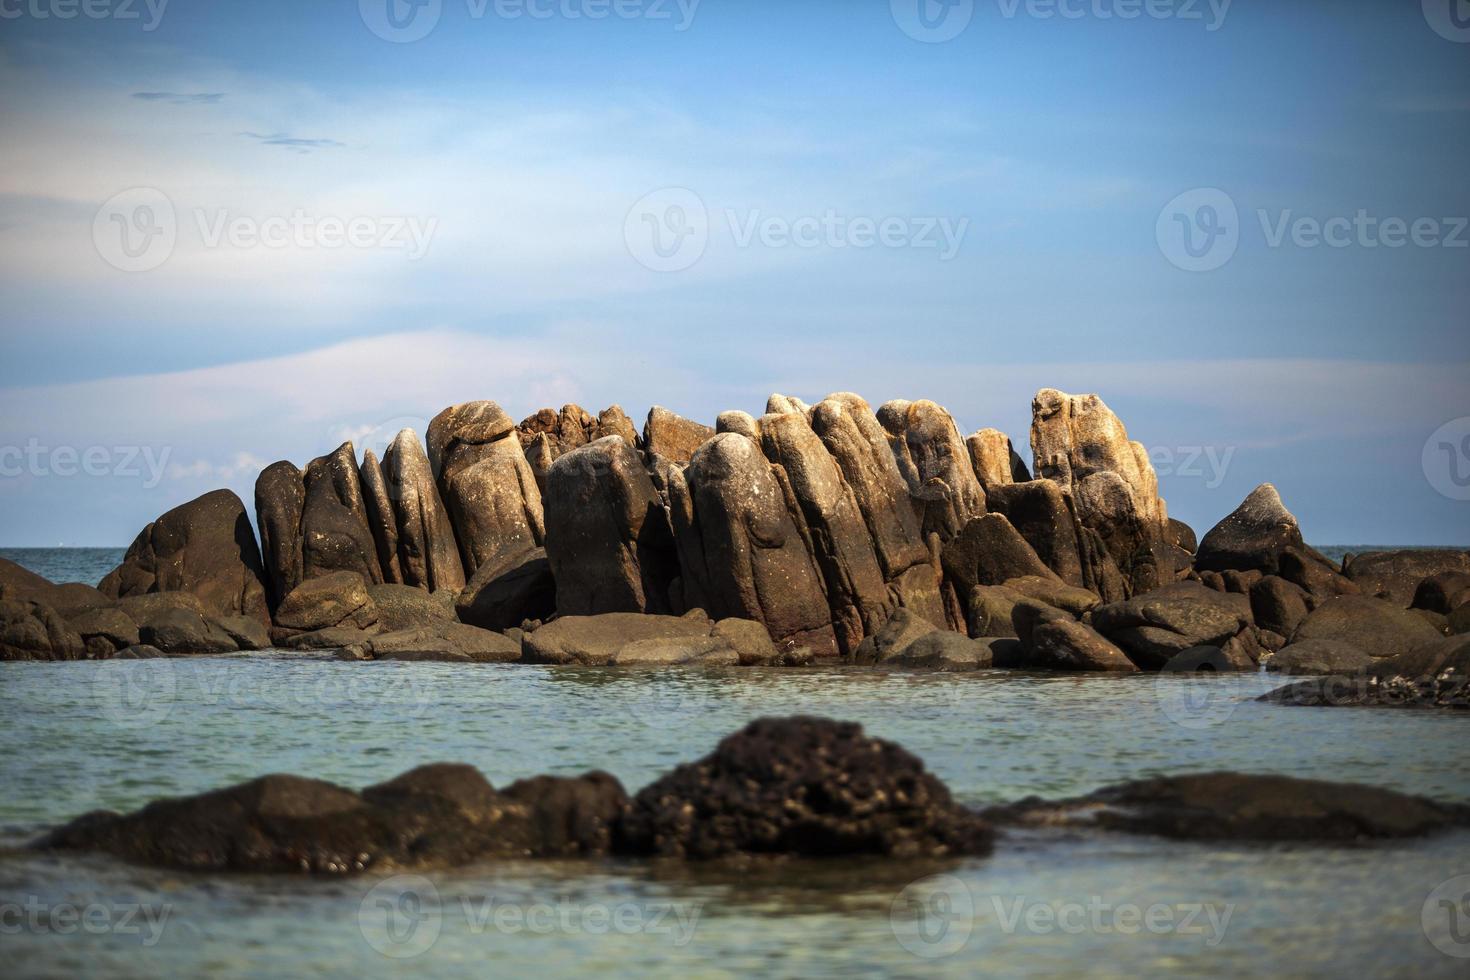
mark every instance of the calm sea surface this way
{"type": "Point", "coordinates": [117, 734]}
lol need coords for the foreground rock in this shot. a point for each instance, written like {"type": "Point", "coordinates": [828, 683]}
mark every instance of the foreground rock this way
{"type": "Point", "coordinates": [628, 639]}
{"type": "Point", "coordinates": [435, 816]}
{"type": "Point", "coordinates": [806, 786]}
{"type": "Point", "coordinates": [205, 548]}
{"type": "Point", "coordinates": [1240, 806]}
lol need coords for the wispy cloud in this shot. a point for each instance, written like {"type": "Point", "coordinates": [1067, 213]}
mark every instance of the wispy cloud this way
{"type": "Point", "coordinates": [298, 143]}
{"type": "Point", "coordinates": [182, 98]}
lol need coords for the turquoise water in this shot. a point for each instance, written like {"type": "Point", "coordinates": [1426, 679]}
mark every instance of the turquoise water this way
{"type": "Point", "coordinates": [117, 734]}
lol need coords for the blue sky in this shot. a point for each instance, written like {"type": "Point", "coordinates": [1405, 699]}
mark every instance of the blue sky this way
{"type": "Point", "coordinates": [529, 152]}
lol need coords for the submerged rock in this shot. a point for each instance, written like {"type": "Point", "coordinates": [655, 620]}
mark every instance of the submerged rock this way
{"type": "Point", "coordinates": [802, 786]}
{"type": "Point", "coordinates": [1242, 806]}
{"type": "Point", "coordinates": [439, 815]}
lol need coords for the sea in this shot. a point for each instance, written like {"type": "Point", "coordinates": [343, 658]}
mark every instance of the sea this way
{"type": "Point", "coordinates": [115, 735]}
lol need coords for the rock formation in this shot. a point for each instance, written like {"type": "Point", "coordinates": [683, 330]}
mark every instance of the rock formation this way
{"type": "Point", "coordinates": [428, 552]}
{"type": "Point", "coordinates": [335, 536]}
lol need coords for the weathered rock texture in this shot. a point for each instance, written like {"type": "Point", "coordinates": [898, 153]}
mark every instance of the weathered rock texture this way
{"type": "Point", "coordinates": [428, 553]}
{"type": "Point", "coordinates": [935, 463]}
{"type": "Point", "coordinates": [673, 437]}
{"type": "Point", "coordinates": [608, 538]}
{"type": "Point", "coordinates": [280, 497]}
{"type": "Point", "coordinates": [486, 484]}
{"type": "Point", "coordinates": [380, 517]}
{"type": "Point", "coordinates": [335, 535]}
{"type": "Point", "coordinates": [205, 548]}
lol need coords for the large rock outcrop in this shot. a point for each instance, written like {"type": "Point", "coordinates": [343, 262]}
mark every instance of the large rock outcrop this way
{"type": "Point", "coordinates": [1377, 627]}
{"type": "Point", "coordinates": [1396, 575]}
{"type": "Point", "coordinates": [857, 593]}
{"type": "Point", "coordinates": [740, 552]}
{"type": "Point", "coordinates": [280, 498]}
{"type": "Point", "coordinates": [335, 535]}
{"type": "Point", "coordinates": [1252, 537]}
{"type": "Point", "coordinates": [428, 554]}
{"type": "Point", "coordinates": [859, 446]}
{"type": "Point", "coordinates": [1079, 443]}
{"type": "Point", "coordinates": [805, 786]}
{"type": "Point", "coordinates": [206, 548]}
{"type": "Point", "coordinates": [380, 517]}
{"type": "Point", "coordinates": [486, 483]}
{"type": "Point", "coordinates": [608, 538]}
{"type": "Point", "coordinates": [673, 437]}
{"type": "Point", "coordinates": [1152, 628]}
{"type": "Point", "coordinates": [935, 463]}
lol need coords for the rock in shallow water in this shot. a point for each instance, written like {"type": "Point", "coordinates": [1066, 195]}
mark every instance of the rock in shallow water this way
{"type": "Point", "coordinates": [806, 786]}
{"type": "Point", "coordinates": [1242, 806]}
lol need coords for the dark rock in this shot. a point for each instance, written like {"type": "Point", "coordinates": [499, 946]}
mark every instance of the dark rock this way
{"type": "Point", "coordinates": [673, 437]}
{"type": "Point", "coordinates": [68, 599]}
{"type": "Point", "coordinates": [1240, 582]}
{"type": "Point", "coordinates": [247, 633]}
{"type": "Point", "coordinates": [1434, 675]}
{"type": "Point", "coordinates": [205, 548]}
{"type": "Point", "coordinates": [750, 641]}
{"type": "Point", "coordinates": [403, 607]}
{"type": "Point", "coordinates": [31, 630]}
{"type": "Point", "coordinates": [1043, 515]}
{"type": "Point", "coordinates": [1237, 806]}
{"type": "Point", "coordinates": [139, 651]}
{"type": "Point", "coordinates": [1314, 574]}
{"type": "Point", "coordinates": [943, 650]}
{"type": "Point", "coordinates": [859, 446]}
{"type": "Point", "coordinates": [280, 498]}
{"type": "Point", "coordinates": [500, 598]}
{"type": "Point", "coordinates": [338, 599]}
{"type": "Point", "coordinates": [1157, 625]}
{"type": "Point", "coordinates": [705, 650]}
{"type": "Point", "coordinates": [1278, 605]}
{"type": "Point", "coordinates": [608, 538]}
{"type": "Point", "coordinates": [988, 551]}
{"type": "Point", "coordinates": [802, 786]}
{"type": "Point", "coordinates": [1028, 614]}
{"type": "Point", "coordinates": [902, 629]}
{"type": "Point", "coordinates": [1181, 535]}
{"type": "Point", "coordinates": [335, 536]}
{"type": "Point", "coordinates": [1209, 660]}
{"type": "Point", "coordinates": [1005, 652]}
{"type": "Point", "coordinates": [1375, 626]}
{"type": "Point", "coordinates": [428, 554]}
{"type": "Point", "coordinates": [740, 548]}
{"type": "Point", "coordinates": [487, 485]}
{"type": "Point", "coordinates": [182, 631]}
{"type": "Point", "coordinates": [594, 640]}
{"type": "Point", "coordinates": [935, 463]}
{"type": "Point", "coordinates": [1054, 593]}
{"type": "Point", "coordinates": [1443, 592]}
{"type": "Point", "coordinates": [327, 638]}
{"type": "Point", "coordinates": [110, 624]}
{"type": "Point", "coordinates": [442, 640]}
{"type": "Point", "coordinates": [434, 816]}
{"type": "Point", "coordinates": [1319, 657]}
{"type": "Point", "coordinates": [1252, 536]}
{"type": "Point", "coordinates": [989, 608]}
{"type": "Point", "coordinates": [380, 518]}
{"type": "Point", "coordinates": [1395, 575]}
{"type": "Point", "coordinates": [1068, 645]}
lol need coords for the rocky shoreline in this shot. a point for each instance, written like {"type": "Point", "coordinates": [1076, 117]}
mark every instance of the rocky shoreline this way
{"type": "Point", "coordinates": [781, 787]}
{"type": "Point", "coordinates": [822, 533]}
